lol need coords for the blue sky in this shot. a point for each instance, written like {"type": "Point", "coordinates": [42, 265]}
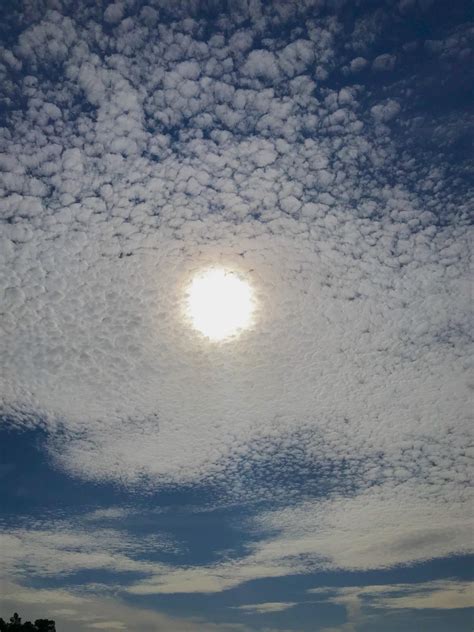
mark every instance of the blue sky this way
{"type": "Point", "coordinates": [314, 471]}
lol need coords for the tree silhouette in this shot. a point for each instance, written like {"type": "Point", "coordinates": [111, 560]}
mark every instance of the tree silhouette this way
{"type": "Point", "coordinates": [15, 625]}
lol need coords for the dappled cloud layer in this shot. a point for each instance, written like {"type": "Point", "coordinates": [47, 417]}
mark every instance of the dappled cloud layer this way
{"type": "Point", "coordinates": [143, 144]}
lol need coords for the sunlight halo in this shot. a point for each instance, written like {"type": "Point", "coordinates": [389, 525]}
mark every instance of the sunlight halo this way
{"type": "Point", "coordinates": [220, 304]}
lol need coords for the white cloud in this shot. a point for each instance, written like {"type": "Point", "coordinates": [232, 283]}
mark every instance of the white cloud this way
{"type": "Point", "coordinates": [384, 112]}
{"type": "Point", "coordinates": [148, 158]}
{"type": "Point", "coordinates": [99, 613]}
{"type": "Point", "coordinates": [68, 547]}
{"type": "Point", "coordinates": [437, 595]}
{"type": "Point", "coordinates": [367, 531]}
{"type": "Point", "coordinates": [110, 513]}
{"type": "Point", "coordinates": [261, 64]}
{"type": "Point", "coordinates": [384, 63]}
{"type": "Point", "coordinates": [362, 602]}
{"type": "Point", "coordinates": [370, 530]}
{"type": "Point", "coordinates": [358, 64]}
{"type": "Point", "coordinates": [264, 608]}
{"type": "Point", "coordinates": [114, 12]}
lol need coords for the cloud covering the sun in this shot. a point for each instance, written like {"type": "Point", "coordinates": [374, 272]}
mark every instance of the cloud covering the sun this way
{"type": "Point", "coordinates": [138, 149]}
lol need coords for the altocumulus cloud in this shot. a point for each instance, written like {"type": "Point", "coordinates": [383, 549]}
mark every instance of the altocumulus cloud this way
{"type": "Point", "coordinates": [79, 612]}
{"type": "Point", "coordinates": [143, 143]}
{"type": "Point", "coordinates": [436, 595]}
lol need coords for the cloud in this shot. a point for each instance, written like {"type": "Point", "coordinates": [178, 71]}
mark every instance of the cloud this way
{"type": "Point", "coordinates": [358, 64]}
{"type": "Point", "coordinates": [370, 530]}
{"type": "Point", "coordinates": [158, 148]}
{"type": "Point", "coordinates": [384, 63]}
{"type": "Point", "coordinates": [107, 625]}
{"type": "Point", "coordinates": [264, 608]}
{"type": "Point", "coordinates": [98, 613]}
{"type": "Point", "coordinates": [367, 531]}
{"type": "Point", "coordinates": [66, 547]}
{"type": "Point", "coordinates": [114, 12]}
{"type": "Point", "coordinates": [385, 112]}
{"type": "Point", "coordinates": [361, 602]}
{"type": "Point", "coordinates": [438, 595]}
{"type": "Point", "coordinates": [110, 513]}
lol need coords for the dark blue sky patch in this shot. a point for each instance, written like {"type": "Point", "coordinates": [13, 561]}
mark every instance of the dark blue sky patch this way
{"type": "Point", "coordinates": [31, 487]}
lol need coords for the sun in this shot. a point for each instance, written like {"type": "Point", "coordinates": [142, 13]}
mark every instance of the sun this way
{"type": "Point", "coordinates": [220, 304]}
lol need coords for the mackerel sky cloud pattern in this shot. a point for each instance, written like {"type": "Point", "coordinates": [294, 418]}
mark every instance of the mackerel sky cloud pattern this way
{"type": "Point", "coordinates": [318, 149]}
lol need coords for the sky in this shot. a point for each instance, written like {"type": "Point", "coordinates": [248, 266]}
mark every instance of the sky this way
{"type": "Point", "coordinates": [312, 473]}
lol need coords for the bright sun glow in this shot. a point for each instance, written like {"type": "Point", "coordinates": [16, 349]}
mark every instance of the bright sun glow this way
{"type": "Point", "coordinates": [220, 304]}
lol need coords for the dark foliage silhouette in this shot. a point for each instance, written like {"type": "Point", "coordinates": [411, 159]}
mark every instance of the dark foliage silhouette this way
{"type": "Point", "coordinates": [15, 625]}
